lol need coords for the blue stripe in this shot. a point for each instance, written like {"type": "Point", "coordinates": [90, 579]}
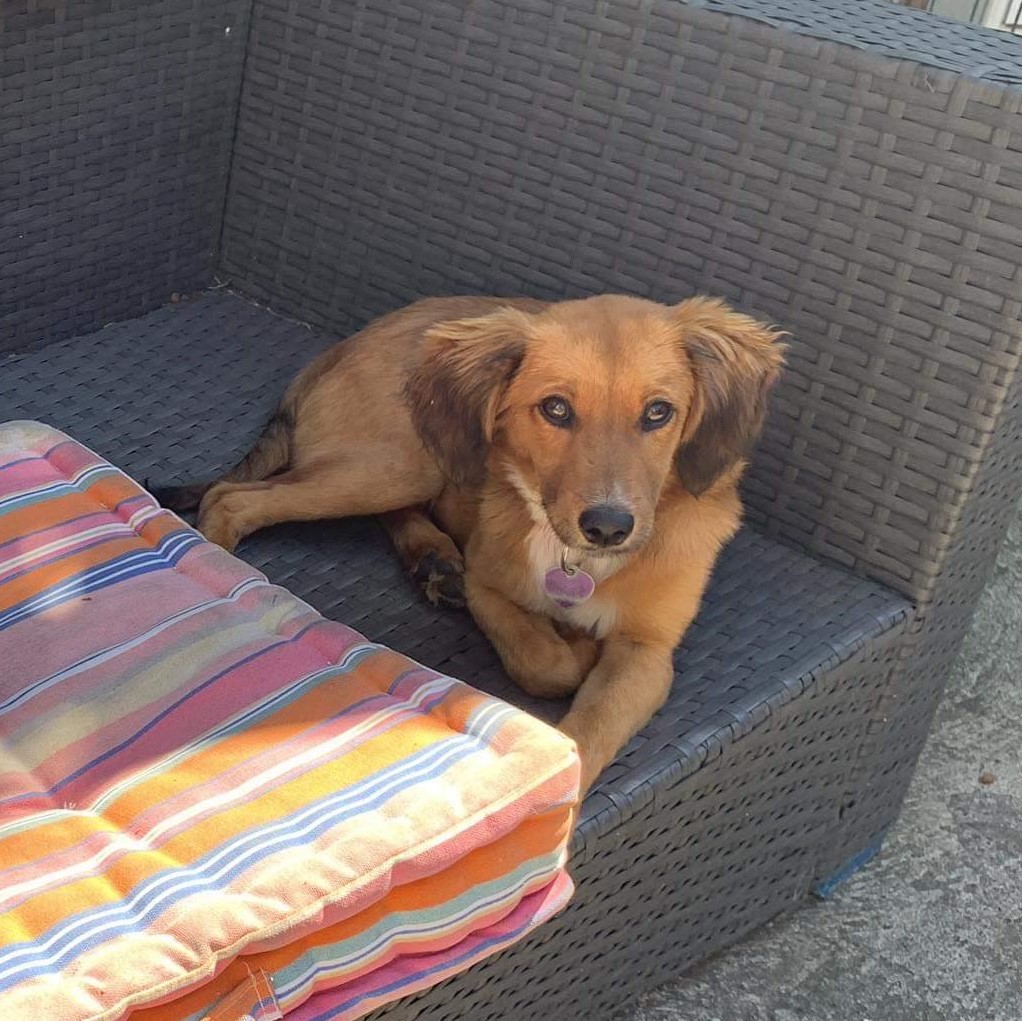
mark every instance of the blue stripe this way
{"type": "Point", "coordinates": [51, 490]}
{"type": "Point", "coordinates": [165, 555]}
{"type": "Point", "coordinates": [274, 704]}
{"type": "Point", "coordinates": [221, 867]}
{"type": "Point", "coordinates": [99, 512]}
{"type": "Point", "coordinates": [117, 749]}
{"type": "Point", "coordinates": [416, 923]}
{"type": "Point", "coordinates": [397, 985]}
{"type": "Point", "coordinates": [125, 532]}
{"type": "Point", "coordinates": [44, 456]}
{"type": "Point", "coordinates": [25, 460]}
{"type": "Point", "coordinates": [112, 651]}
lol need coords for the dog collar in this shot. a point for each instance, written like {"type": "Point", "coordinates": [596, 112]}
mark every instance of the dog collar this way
{"type": "Point", "coordinates": [568, 585]}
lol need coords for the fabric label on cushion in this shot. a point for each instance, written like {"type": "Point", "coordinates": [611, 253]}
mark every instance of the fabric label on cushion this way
{"type": "Point", "coordinates": [252, 999]}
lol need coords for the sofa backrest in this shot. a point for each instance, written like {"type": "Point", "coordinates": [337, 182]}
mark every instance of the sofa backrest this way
{"type": "Point", "coordinates": [115, 137]}
{"type": "Point", "coordinates": [850, 172]}
{"type": "Point", "coordinates": [870, 205]}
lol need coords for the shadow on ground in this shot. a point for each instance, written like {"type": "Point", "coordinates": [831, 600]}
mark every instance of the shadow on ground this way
{"type": "Point", "coordinates": [932, 929]}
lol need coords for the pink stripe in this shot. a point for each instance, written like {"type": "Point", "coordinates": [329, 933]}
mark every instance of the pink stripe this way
{"type": "Point", "coordinates": [332, 849]}
{"type": "Point", "coordinates": [234, 691]}
{"type": "Point", "coordinates": [39, 647]}
{"type": "Point", "coordinates": [120, 670]}
{"type": "Point", "coordinates": [34, 474]}
{"type": "Point", "coordinates": [330, 870]}
{"type": "Point", "coordinates": [415, 971]}
{"type": "Point", "coordinates": [144, 823]}
{"type": "Point", "coordinates": [70, 458]}
{"type": "Point", "coordinates": [376, 970]}
{"type": "Point", "coordinates": [103, 726]}
{"type": "Point", "coordinates": [326, 892]}
{"type": "Point", "coordinates": [62, 530]}
{"type": "Point", "coordinates": [312, 740]}
{"type": "Point", "coordinates": [115, 531]}
{"type": "Point", "coordinates": [60, 464]}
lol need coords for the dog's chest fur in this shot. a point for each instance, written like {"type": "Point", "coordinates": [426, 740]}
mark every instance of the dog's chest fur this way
{"type": "Point", "coordinates": [598, 614]}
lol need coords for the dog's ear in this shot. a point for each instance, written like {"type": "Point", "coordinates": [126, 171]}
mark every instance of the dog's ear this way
{"type": "Point", "coordinates": [454, 393]}
{"type": "Point", "coordinates": [735, 361]}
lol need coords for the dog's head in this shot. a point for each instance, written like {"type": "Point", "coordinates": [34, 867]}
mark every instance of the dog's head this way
{"type": "Point", "coordinates": [593, 409]}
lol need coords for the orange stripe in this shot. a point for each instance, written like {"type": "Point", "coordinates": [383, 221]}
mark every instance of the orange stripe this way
{"type": "Point", "coordinates": [46, 909]}
{"type": "Point", "coordinates": [335, 696]}
{"type": "Point", "coordinates": [536, 836]}
{"type": "Point", "coordinates": [332, 697]}
{"type": "Point", "coordinates": [102, 494]}
{"type": "Point", "coordinates": [19, 589]}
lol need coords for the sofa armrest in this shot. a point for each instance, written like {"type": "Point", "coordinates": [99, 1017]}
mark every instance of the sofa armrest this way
{"type": "Point", "coordinates": [889, 29]}
{"type": "Point", "coordinates": [888, 246]}
{"type": "Point", "coordinates": [898, 277]}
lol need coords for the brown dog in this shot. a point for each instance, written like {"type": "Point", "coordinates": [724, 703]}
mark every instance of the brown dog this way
{"type": "Point", "coordinates": [517, 449]}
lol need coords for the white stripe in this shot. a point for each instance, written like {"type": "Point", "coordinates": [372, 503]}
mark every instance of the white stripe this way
{"type": "Point", "coordinates": [227, 858]}
{"type": "Point", "coordinates": [336, 744]}
{"type": "Point", "coordinates": [364, 955]}
{"type": "Point", "coordinates": [113, 651]}
{"type": "Point", "coordinates": [118, 528]}
{"type": "Point", "coordinates": [148, 840]}
{"type": "Point", "coordinates": [68, 482]}
{"type": "Point", "coordinates": [229, 726]}
{"type": "Point", "coordinates": [144, 514]}
{"type": "Point", "coordinates": [126, 566]}
{"type": "Point", "coordinates": [498, 712]}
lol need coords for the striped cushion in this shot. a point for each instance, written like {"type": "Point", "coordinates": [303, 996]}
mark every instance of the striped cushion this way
{"type": "Point", "coordinates": [215, 803]}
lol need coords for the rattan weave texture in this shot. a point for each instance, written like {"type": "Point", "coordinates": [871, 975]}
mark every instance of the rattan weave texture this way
{"type": "Point", "coordinates": [390, 150]}
{"type": "Point", "coordinates": [181, 392]}
{"type": "Point", "coordinates": [904, 34]}
{"type": "Point", "coordinates": [847, 169]}
{"type": "Point", "coordinates": [116, 122]}
{"type": "Point", "coordinates": [701, 865]}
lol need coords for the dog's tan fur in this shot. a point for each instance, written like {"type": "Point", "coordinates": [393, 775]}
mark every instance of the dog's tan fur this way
{"type": "Point", "coordinates": [431, 418]}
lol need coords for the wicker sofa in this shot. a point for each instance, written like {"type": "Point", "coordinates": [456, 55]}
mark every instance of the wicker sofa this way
{"type": "Point", "coordinates": [849, 170]}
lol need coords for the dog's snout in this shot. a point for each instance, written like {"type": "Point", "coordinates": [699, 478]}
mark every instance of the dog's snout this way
{"type": "Point", "coordinates": [605, 525]}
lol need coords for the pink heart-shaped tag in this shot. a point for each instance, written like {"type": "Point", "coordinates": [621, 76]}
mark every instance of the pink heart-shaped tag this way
{"type": "Point", "coordinates": [568, 590]}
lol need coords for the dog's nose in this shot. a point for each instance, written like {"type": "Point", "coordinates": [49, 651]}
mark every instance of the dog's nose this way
{"type": "Point", "coordinates": [605, 525]}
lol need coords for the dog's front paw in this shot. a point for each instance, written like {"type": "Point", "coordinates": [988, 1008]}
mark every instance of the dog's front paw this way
{"type": "Point", "coordinates": [442, 580]}
{"type": "Point", "coordinates": [219, 517]}
{"type": "Point", "coordinates": [552, 672]}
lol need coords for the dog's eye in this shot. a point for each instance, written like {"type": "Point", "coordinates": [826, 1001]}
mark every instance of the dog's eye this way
{"type": "Point", "coordinates": [657, 413]}
{"type": "Point", "coordinates": [557, 411]}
